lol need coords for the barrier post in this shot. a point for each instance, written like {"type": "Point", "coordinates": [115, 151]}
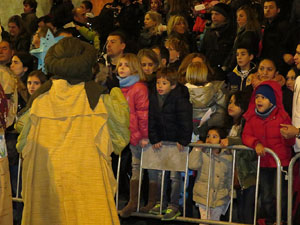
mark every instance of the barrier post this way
{"type": "Point", "coordinates": [290, 188]}
{"type": "Point", "coordinates": [118, 181]}
{"type": "Point", "coordinates": [232, 185]}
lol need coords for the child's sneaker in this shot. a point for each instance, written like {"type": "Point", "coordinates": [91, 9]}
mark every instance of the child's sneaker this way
{"type": "Point", "coordinates": [171, 214]}
{"type": "Point", "coordinates": [156, 210]}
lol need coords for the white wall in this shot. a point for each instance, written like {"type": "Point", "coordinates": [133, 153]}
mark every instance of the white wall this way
{"type": "Point", "coordinates": [9, 8]}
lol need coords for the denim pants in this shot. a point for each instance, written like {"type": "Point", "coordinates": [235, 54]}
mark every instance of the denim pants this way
{"type": "Point", "coordinates": [176, 184]}
{"type": "Point", "coordinates": [136, 152]}
{"type": "Point", "coordinates": [267, 195]}
{"type": "Point", "coordinates": [245, 204]}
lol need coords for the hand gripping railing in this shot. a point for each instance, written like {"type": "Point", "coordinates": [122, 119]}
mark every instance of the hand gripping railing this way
{"type": "Point", "coordinates": [290, 188]}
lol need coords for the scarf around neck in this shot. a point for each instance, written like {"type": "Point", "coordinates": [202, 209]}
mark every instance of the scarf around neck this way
{"type": "Point", "coordinates": [128, 81]}
{"type": "Point", "coordinates": [265, 114]}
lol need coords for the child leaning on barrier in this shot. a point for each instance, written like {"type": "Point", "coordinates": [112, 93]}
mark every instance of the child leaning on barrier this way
{"type": "Point", "coordinates": [170, 119]}
{"type": "Point", "coordinates": [246, 161]}
{"type": "Point", "coordinates": [220, 179]}
{"type": "Point", "coordinates": [262, 130]}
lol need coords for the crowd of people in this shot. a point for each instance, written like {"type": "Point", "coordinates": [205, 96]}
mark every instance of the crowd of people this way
{"type": "Point", "coordinates": [77, 89]}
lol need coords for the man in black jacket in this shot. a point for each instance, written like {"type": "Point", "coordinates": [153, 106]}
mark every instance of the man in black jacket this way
{"type": "Point", "coordinates": [275, 29]}
{"type": "Point", "coordinates": [219, 37]}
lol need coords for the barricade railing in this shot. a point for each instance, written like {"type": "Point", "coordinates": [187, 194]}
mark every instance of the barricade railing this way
{"type": "Point", "coordinates": [17, 198]}
{"type": "Point", "coordinates": [145, 165]}
{"type": "Point", "coordinates": [290, 188]}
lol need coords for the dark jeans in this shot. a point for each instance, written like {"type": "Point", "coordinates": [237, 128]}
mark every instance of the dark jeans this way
{"type": "Point", "coordinates": [245, 205]}
{"type": "Point", "coordinates": [267, 195]}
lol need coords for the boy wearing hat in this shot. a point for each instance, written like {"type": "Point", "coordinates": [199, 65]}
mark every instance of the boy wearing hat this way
{"type": "Point", "coordinates": [262, 130]}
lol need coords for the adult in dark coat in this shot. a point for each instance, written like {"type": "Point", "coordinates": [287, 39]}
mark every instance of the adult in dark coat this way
{"type": "Point", "coordinates": [18, 34]}
{"type": "Point", "coordinates": [248, 34]}
{"type": "Point", "coordinates": [219, 37]}
{"type": "Point", "coordinates": [275, 30]}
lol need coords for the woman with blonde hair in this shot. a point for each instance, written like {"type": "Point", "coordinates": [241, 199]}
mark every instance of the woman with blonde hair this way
{"type": "Point", "coordinates": [206, 97]}
{"type": "Point", "coordinates": [178, 26]}
{"type": "Point", "coordinates": [248, 34]}
{"type": "Point", "coordinates": [153, 30]}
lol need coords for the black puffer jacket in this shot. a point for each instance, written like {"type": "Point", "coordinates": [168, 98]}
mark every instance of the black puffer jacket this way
{"type": "Point", "coordinates": [172, 122]}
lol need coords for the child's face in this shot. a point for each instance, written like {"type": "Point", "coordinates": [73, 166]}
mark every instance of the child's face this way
{"type": "Point", "coordinates": [147, 65]}
{"type": "Point", "coordinates": [243, 58]}
{"type": "Point", "coordinates": [154, 5]}
{"type": "Point", "coordinates": [27, 8]}
{"type": "Point", "coordinates": [241, 18]}
{"type": "Point", "coordinates": [123, 68]}
{"type": "Point", "coordinates": [163, 86]}
{"type": "Point", "coordinates": [262, 103]}
{"type": "Point", "coordinates": [290, 80]}
{"type": "Point", "coordinates": [33, 83]}
{"type": "Point", "coordinates": [233, 110]}
{"type": "Point", "coordinates": [266, 70]}
{"type": "Point", "coordinates": [213, 137]}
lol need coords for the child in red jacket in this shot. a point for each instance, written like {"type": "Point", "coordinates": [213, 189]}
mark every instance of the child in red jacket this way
{"type": "Point", "coordinates": [262, 129]}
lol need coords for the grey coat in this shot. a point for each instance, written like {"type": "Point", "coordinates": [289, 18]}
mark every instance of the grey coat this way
{"type": "Point", "coordinates": [221, 175]}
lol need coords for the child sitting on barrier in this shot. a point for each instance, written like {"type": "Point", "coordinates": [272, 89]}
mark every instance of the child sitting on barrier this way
{"type": "Point", "coordinates": [170, 119]}
{"type": "Point", "coordinates": [262, 130]}
{"type": "Point", "coordinates": [220, 167]}
{"type": "Point", "coordinates": [246, 161]}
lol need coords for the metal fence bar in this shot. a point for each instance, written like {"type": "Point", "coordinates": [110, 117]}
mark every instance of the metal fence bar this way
{"type": "Point", "coordinates": [208, 184]}
{"type": "Point", "coordinates": [232, 185]}
{"type": "Point", "coordinates": [278, 185]}
{"type": "Point", "coordinates": [290, 188]}
{"type": "Point", "coordinates": [195, 220]}
{"type": "Point", "coordinates": [278, 165]}
{"type": "Point", "coordinates": [185, 182]}
{"type": "Point", "coordinates": [186, 219]}
{"type": "Point", "coordinates": [118, 181]}
{"type": "Point", "coordinates": [19, 176]}
{"type": "Point", "coordinates": [140, 181]}
{"type": "Point", "coordinates": [256, 190]}
{"type": "Point", "coordinates": [162, 191]}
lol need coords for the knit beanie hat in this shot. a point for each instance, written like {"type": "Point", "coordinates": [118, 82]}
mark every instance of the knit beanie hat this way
{"type": "Point", "coordinates": [222, 8]}
{"type": "Point", "coordinates": [268, 92]}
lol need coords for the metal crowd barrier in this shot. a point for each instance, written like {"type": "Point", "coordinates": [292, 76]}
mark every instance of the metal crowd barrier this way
{"type": "Point", "coordinates": [290, 188]}
{"type": "Point", "coordinates": [145, 165]}
{"type": "Point", "coordinates": [18, 197]}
